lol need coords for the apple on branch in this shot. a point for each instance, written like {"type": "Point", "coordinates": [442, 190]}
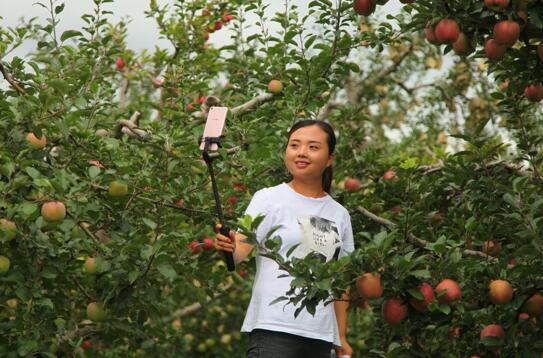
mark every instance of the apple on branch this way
{"type": "Point", "coordinates": [394, 311]}
{"type": "Point", "coordinates": [275, 86]}
{"type": "Point", "coordinates": [364, 7]}
{"type": "Point", "coordinates": [53, 211]}
{"type": "Point", "coordinates": [8, 230]}
{"type": "Point", "coordinates": [34, 142]}
{"type": "Point", "coordinates": [369, 285]}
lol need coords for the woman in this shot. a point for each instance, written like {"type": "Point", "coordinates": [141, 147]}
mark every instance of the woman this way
{"type": "Point", "coordinates": [310, 217]}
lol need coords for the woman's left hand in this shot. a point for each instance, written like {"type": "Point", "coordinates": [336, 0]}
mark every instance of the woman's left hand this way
{"type": "Point", "coordinates": [345, 349]}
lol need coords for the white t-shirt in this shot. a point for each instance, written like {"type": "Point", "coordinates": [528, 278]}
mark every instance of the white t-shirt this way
{"type": "Point", "coordinates": [319, 224]}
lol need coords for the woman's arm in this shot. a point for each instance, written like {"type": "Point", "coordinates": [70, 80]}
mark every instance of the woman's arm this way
{"type": "Point", "coordinates": [340, 308]}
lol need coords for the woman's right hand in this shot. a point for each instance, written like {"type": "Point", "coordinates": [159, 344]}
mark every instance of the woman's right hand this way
{"type": "Point", "coordinates": [225, 243]}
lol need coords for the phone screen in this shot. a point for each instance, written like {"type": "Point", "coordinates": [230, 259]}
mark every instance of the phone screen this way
{"type": "Point", "coordinates": [216, 119]}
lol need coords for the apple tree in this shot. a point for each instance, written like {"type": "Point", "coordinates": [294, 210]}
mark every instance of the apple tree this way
{"type": "Point", "coordinates": [106, 211]}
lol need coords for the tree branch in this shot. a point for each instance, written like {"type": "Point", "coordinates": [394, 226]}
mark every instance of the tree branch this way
{"type": "Point", "coordinates": [187, 310]}
{"type": "Point", "coordinates": [11, 81]}
{"type": "Point", "coordinates": [414, 239]}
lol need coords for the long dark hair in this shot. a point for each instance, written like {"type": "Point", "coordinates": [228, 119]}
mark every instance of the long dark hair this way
{"type": "Point", "coordinates": [328, 173]}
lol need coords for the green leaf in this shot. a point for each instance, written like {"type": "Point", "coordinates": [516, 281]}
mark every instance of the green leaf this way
{"type": "Point", "coordinates": [444, 308]}
{"type": "Point", "coordinates": [27, 347]}
{"type": "Point", "coordinates": [59, 8]}
{"type": "Point", "coordinates": [27, 210]}
{"type": "Point", "coordinates": [150, 223]}
{"type": "Point", "coordinates": [33, 173]}
{"type": "Point", "coordinates": [415, 292]}
{"type": "Point", "coordinates": [69, 34]}
{"type": "Point", "coordinates": [60, 85]}
{"type": "Point", "coordinates": [45, 302]}
{"type": "Point", "coordinates": [94, 171]}
{"type": "Point", "coordinates": [167, 270]}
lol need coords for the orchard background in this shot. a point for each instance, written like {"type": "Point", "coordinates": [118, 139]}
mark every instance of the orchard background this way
{"type": "Point", "coordinates": [106, 209]}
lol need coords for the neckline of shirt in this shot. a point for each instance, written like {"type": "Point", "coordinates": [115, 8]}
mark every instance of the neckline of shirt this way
{"type": "Point", "coordinates": [323, 198]}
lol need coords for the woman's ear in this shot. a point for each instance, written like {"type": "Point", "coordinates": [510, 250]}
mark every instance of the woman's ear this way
{"type": "Point", "coordinates": [330, 160]}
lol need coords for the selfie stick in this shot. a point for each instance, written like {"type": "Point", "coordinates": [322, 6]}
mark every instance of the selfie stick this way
{"type": "Point", "coordinates": [224, 230]}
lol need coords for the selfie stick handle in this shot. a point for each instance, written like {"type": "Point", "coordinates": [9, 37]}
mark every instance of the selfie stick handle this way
{"type": "Point", "coordinates": [224, 229]}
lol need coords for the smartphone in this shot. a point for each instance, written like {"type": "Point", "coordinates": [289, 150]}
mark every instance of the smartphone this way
{"type": "Point", "coordinates": [216, 118]}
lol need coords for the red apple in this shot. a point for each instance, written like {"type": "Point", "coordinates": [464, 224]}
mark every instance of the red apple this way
{"type": "Point", "coordinates": [462, 46]}
{"type": "Point", "coordinates": [389, 174]}
{"type": "Point", "coordinates": [275, 86]}
{"type": "Point", "coordinates": [211, 28]}
{"type": "Point", "coordinates": [194, 246]}
{"type": "Point", "coordinates": [428, 294]}
{"type": "Point", "coordinates": [180, 203]}
{"type": "Point", "coordinates": [208, 243]}
{"type": "Point", "coordinates": [34, 142]}
{"type": "Point", "coordinates": [199, 99]}
{"type": "Point", "coordinates": [226, 17]}
{"type": "Point", "coordinates": [53, 211]}
{"type": "Point", "coordinates": [364, 7]}
{"type": "Point", "coordinates": [393, 311]}
{"type": "Point", "coordinates": [454, 332]}
{"type": "Point", "coordinates": [90, 265]}
{"type": "Point", "coordinates": [494, 51]}
{"type": "Point", "coordinates": [452, 292]}
{"type": "Point", "coordinates": [533, 306]}
{"type": "Point", "coordinates": [232, 200]}
{"type": "Point", "coordinates": [352, 184]}
{"type": "Point", "coordinates": [447, 30]}
{"type": "Point", "coordinates": [206, 36]}
{"type": "Point", "coordinates": [96, 312]}
{"type": "Point", "coordinates": [239, 186]}
{"type": "Point", "coordinates": [120, 64]}
{"type": "Point", "coordinates": [430, 34]}
{"type": "Point", "coordinates": [534, 93]}
{"type": "Point", "coordinates": [497, 5]}
{"type": "Point", "coordinates": [492, 248]}
{"type": "Point", "coordinates": [86, 344]}
{"type": "Point", "coordinates": [540, 51]}
{"type": "Point", "coordinates": [363, 303]}
{"type": "Point", "coordinates": [242, 273]}
{"type": "Point", "coordinates": [190, 106]}
{"type": "Point", "coordinates": [176, 324]}
{"type": "Point", "coordinates": [218, 25]}
{"type": "Point", "coordinates": [506, 32]}
{"type": "Point", "coordinates": [501, 292]}
{"type": "Point", "coordinates": [493, 330]}
{"type": "Point", "coordinates": [369, 285]}
{"type": "Point", "coordinates": [8, 230]}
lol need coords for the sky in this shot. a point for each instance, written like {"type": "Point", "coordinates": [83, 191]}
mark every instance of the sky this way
{"type": "Point", "coordinates": [142, 32]}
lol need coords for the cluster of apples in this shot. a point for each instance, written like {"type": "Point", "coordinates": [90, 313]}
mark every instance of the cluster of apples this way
{"type": "Point", "coordinates": [196, 246]}
{"type": "Point", "coordinates": [217, 24]}
{"type": "Point", "coordinates": [447, 292]}
{"type": "Point", "coordinates": [505, 34]}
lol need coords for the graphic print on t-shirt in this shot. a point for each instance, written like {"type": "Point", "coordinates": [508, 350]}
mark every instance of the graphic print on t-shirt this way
{"type": "Point", "coordinates": [319, 236]}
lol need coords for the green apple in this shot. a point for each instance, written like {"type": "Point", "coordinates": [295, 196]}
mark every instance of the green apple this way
{"type": "Point", "coordinates": [117, 189]}
{"type": "Point", "coordinates": [4, 265]}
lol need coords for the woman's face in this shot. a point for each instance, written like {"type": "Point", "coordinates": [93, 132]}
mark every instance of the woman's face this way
{"type": "Point", "coordinates": [307, 154]}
